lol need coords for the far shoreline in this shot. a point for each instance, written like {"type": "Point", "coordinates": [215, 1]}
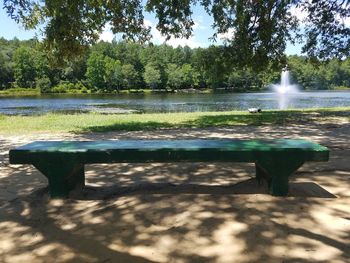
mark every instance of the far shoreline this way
{"type": "Point", "coordinates": [19, 92]}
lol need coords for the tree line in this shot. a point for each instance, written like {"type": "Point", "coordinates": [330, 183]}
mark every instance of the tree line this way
{"type": "Point", "coordinates": [122, 65]}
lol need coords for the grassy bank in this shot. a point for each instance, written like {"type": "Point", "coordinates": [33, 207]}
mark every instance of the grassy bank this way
{"type": "Point", "coordinates": [58, 90]}
{"type": "Point", "coordinates": [93, 122]}
{"type": "Point", "coordinates": [19, 92]}
{"type": "Point", "coordinates": [341, 88]}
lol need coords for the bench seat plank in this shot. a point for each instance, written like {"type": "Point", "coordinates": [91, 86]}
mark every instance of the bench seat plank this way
{"type": "Point", "coordinates": [62, 162]}
{"type": "Point", "coordinates": [227, 150]}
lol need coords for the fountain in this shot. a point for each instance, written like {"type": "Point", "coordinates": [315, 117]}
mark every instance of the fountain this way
{"type": "Point", "coordinates": [284, 90]}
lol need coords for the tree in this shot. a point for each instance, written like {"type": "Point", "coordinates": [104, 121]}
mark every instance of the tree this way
{"type": "Point", "coordinates": [41, 64]}
{"type": "Point", "coordinates": [307, 74]}
{"type": "Point", "coordinates": [5, 71]}
{"type": "Point", "coordinates": [327, 34]}
{"type": "Point", "coordinates": [152, 76]}
{"type": "Point", "coordinates": [189, 76]}
{"type": "Point", "coordinates": [24, 67]}
{"type": "Point", "coordinates": [73, 70]}
{"type": "Point", "coordinates": [129, 53]}
{"type": "Point", "coordinates": [104, 48]}
{"type": "Point", "coordinates": [212, 63]}
{"type": "Point", "coordinates": [174, 76]}
{"type": "Point", "coordinates": [130, 76]}
{"type": "Point", "coordinates": [113, 74]}
{"type": "Point", "coordinates": [96, 70]}
{"type": "Point", "coordinates": [44, 84]}
{"type": "Point", "coordinates": [72, 25]}
{"type": "Point", "coordinates": [242, 80]}
{"type": "Point", "coordinates": [345, 69]}
{"type": "Point", "coordinates": [261, 28]}
{"type": "Point", "coordinates": [156, 56]}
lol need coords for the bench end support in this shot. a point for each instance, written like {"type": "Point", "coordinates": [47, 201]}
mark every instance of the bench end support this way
{"type": "Point", "coordinates": [276, 171]}
{"type": "Point", "coordinates": [63, 177]}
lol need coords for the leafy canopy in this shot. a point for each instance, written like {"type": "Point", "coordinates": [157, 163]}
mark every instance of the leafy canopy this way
{"type": "Point", "coordinates": [261, 27]}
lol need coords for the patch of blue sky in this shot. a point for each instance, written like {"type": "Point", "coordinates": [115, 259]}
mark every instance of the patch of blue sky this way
{"type": "Point", "coordinates": [201, 37]}
{"type": "Point", "coordinates": [9, 29]}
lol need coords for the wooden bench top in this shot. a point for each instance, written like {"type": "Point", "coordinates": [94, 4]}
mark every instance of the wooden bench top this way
{"type": "Point", "coordinates": [225, 150]}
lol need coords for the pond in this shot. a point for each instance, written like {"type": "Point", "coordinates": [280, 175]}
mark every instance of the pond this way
{"type": "Point", "coordinates": [168, 102]}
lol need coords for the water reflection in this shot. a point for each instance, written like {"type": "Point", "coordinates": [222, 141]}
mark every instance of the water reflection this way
{"type": "Point", "coordinates": [288, 101]}
{"type": "Point", "coordinates": [131, 103]}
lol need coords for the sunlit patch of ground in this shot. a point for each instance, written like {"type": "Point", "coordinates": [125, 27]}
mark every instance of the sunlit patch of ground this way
{"type": "Point", "coordinates": [181, 212]}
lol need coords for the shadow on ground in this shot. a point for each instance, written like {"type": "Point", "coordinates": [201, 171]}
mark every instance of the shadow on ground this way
{"type": "Point", "coordinates": [181, 212]}
{"type": "Point", "coordinates": [163, 222]}
{"type": "Point", "coordinates": [269, 117]}
{"type": "Point", "coordinates": [171, 213]}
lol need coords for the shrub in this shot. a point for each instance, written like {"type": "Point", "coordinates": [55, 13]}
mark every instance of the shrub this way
{"type": "Point", "coordinates": [44, 85]}
{"type": "Point", "coordinates": [67, 87]}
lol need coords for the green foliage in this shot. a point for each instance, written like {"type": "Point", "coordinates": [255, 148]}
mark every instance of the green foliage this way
{"type": "Point", "coordinates": [261, 28]}
{"type": "Point", "coordinates": [44, 84]}
{"type": "Point", "coordinates": [66, 87]}
{"type": "Point", "coordinates": [113, 74]}
{"type": "Point", "coordinates": [244, 78]}
{"type": "Point", "coordinates": [189, 76]}
{"type": "Point", "coordinates": [130, 76]}
{"type": "Point", "coordinates": [20, 91]}
{"type": "Point", "coordinates": [322, 76]}
{"type": "Point", "coordinates": [341, 88]}
{"type": "Point", "coordinates": [24, 71]}
{"type": "Point", "coordinates": [212, 64]}
{"type": "Point", "coordinates": [6, 72]}
{"type": "Point", "coordinates": [73, 70]}
{"type": "Point", "coordinates": [72, 25]}
{"type": "Point", "coordinates": [174, 76]}
{"type": "Point", "coordinates": [152, 76]}
{"type": "Point", "coordinates": [327, 30]}
{"type": "Point", "coordinates": [96, 70]}
{"type": "Point", "coordinates": [118, 66]}
{"type": "Point", "coordinates": [41, 64]}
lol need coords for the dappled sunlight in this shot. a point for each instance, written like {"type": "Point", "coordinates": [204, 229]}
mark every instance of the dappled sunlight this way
{"type": "Point", "coordinates": [335, 182]}
{"type": "Point", "coordinates": [23, 181]}
{"type": "Point", "coordinates": [131, 174]}
{"type": "Point", "coordinates": [162, 228]}
{"type": "Point", "coordinates": [180, 212]}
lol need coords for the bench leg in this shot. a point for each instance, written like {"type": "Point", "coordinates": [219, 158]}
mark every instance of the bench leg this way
{"type": "Point", "coordinates": [63, 177]}
{"type": "Point", "coordinates": [260, 174]}
{"type": "Point", "coordinates": [276, 170]}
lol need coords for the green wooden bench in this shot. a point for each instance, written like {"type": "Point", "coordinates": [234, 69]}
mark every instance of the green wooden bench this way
{"type": "Point", "coordinates": [62, 162]}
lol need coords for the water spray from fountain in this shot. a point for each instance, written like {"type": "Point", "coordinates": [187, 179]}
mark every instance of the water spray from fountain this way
{"type": "Point", "coordinates": [285, 90]}
{"type": "Point", "coordinates": [285, 87]}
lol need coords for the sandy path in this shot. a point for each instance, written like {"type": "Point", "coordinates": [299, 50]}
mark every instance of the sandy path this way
{"type": "Point", "coordinates": [181, 212]}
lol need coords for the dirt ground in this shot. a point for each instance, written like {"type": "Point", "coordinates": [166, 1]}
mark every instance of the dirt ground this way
{"type": "Point", "coordinates": [181, 212]}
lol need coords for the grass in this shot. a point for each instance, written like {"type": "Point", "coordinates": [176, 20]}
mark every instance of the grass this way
{"type": "Point", "coordinates": [94, 122]}
{"type": "Point", "coordinates": [20, 92]}
{"type": "Point", "coordinates": [36, 91]}
{"type": "Point", "coordinates": [341, 88]}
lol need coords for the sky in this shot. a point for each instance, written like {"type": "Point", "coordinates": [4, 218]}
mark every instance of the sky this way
{"type": "Point", "coordinates": [202, 31]}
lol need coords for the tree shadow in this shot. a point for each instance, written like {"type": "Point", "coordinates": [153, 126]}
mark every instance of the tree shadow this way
{"type": "Point", "coordinates": [183, 212]}
{"type": "Point", "coordinates": [143, 226]}
{"type": "Point", "coordinates": [289, 117]}
{"type": "Point", "coordinates": [130, 126]}
{"type": "Point", "coordinates": [269, 117]}
{"type": "Point", "coordinates": [149, 218]}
